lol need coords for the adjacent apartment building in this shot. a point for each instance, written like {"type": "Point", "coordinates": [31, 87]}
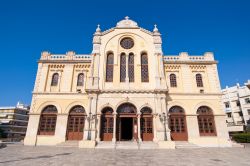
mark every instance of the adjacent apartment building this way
{"type": "Point", "coordinates": [13, 122]}
{"type": "Point", "coordinates": [236, 101]}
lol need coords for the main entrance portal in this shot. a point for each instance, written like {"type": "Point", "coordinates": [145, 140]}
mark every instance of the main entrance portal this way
{"type": "Point", "coordinates": [126, 129]}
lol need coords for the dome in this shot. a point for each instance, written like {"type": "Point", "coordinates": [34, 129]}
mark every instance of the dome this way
{"type": "Point", "coordinates": [127, 23]}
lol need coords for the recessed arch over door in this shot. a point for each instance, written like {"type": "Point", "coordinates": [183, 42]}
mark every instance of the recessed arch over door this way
{"type": "Point", "coordinates": [76, 122]}
{"type": "Point", "coordinates": [107, 124]}
{"type": "Point", "coordinates": [177, 124]}
{"type": "Point", "coordinates": [126, 121]}
{"type": "Point", "coordinates": [146, 124]}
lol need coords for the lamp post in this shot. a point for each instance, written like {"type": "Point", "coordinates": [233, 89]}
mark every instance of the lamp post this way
{"type": "Point", "coordinates": [89, 119]}
{"type": "Point", "coordinates": [163, 119]}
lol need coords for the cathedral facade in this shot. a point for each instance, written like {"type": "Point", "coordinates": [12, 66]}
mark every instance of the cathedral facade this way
{"type": "Point", "coordinates": [127, 90]}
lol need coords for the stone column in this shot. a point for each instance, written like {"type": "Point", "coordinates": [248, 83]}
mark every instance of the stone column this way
{"type": "Point", "coordinates": [154, 128]}
{"type": "Point", "coordinates": [114, 127]}
{"type": "Point", "coordinates": [61, 127]}
{"type": "Point", "coordinates": [86, 124]}
{"type": "Point", "coordinates": [31, 134]}
{"type": "Point", "coordinates": [98, 128]}
{"type": "Point", "coordinates": [139, 127]}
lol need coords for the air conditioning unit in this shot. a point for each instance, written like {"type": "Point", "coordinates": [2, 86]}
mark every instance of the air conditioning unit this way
{"type": "Point", "coordinates": [79, 90]}
{"type": "Point", "coordinates": [201, 90]}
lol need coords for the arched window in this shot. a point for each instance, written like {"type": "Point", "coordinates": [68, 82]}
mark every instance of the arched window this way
{"type": "Point", "coordinates": [131, 67]}
{"type": "Point", "coordinates": [199, 81]}
{"type": "Point", "coordinates": [206, 121]}
{"type": "Point", "coordinates": [122, 67]}
{"type": "Point", "coordinates": [173, 82]}
{"type": "Point", "coordinates": [144, 67]}
{"type": "Point", "coordinates": [54, 81]}
{"type": "Point", "coordinates": [47, 123]}
{"type": "Point", "coordinates": [109, 67]}
{"type": "Point", "coordinates": [80, 79]}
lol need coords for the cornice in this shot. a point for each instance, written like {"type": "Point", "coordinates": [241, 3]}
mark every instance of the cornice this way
{"type": "Point", "coordinates": [190, 62]}
{"type": "Point", "coordinates": [64, 61]}
{"type": "Point", "coordinates": [197, 94]}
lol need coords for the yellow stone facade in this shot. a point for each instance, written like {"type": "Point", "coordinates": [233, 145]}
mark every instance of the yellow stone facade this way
{"type": "Point", "coordinates": [157, 94]}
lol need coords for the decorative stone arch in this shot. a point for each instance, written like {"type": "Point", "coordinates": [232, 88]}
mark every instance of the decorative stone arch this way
{"type": "Point", "coordinates": [146, 105]}
{"type": "Point", "coordinates": [71, 105]}
{"type": "Point", "coordinates": [105, 106]}
{"type": "Point", "coordinates": [204, 103]}
{"type": "Point", "coordinates": [125, 34]}
{"type": "Point", "coordinates": [45, 104]}
{"type": "Point", "coordinates": [124, 102]}
{"type": "Point", "coordinates": [177, 103]}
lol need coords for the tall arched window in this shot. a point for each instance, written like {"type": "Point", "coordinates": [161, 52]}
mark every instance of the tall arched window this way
{"type": "Point", "coordinates": [47, 123]}
{"type": "Point", "coordinates": [131, 67]}
{"type": "Point", "coordinates": [80, 79]}
{"type": "Point", "coordinates": [109, 67]}
{"type": "Point", "coordinates": [173, 82]}
{"type": "Point", "coordinates": [55, 78]}
{"type": "Point", "coordinates": [144, 67]}
{"type": "Point", "coordinates": [122, 67]}
{"type": "Point", "coordinates": [199, 81]}
{"type": "Point", "coordinates": [206, 121]}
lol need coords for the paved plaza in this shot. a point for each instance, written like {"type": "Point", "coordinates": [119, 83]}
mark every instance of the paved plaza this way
{"type": "Point", "coordinates": [55, 156]}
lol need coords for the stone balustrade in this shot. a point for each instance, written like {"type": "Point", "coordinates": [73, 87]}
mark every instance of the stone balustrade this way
{"type": "Point", "coordinates": [68, 56]}
{"type": "Point", "coordinates": [183, 56]}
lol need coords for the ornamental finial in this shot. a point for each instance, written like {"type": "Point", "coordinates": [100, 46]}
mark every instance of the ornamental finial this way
{"type": "Point", "coordinates": [98, 29]}
{"type": "Point", "coordinates": [155, 28]}
{"type": "Point", "coordinates": [126, 18]}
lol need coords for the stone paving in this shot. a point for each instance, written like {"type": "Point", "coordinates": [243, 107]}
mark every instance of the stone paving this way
{"type": "Point", "coordinates": [19, 155]}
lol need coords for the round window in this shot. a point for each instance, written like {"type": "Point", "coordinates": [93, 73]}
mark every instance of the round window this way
{"type": "Point", "coordinates": [127, 43]}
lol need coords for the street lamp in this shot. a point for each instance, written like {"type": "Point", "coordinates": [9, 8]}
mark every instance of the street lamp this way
{"type": "Point", "coordinates": [163, 119]}
{"type": "Point", "coordinates": [89, 119]}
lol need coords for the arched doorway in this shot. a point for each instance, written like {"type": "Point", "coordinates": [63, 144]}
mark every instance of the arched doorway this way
{"type": "Point", "coordinates": [107, 124]}
{"type": "Point", "coordinates": [76, 121]}
{"type": "Point", "coordinates": [126, 123]}
{"type": "Point", "coordinates": [206, 121]}
{"type": "Point", "coordinates": [177, 124]}
{"type": "Point", "coordinates": [146, 124]}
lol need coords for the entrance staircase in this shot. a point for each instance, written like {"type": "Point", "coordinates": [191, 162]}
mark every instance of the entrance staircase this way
{"type": "Point", "coordinates": [148, 145]}
{"type": "Point", "coordinates": [68, 144]}
{"type": "Point", "coordinates": [185, 145]}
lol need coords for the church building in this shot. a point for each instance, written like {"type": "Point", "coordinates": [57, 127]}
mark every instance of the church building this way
{"type": "Point", "coordinates": [127, 90]}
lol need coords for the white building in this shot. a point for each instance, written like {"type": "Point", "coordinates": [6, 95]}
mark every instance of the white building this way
{"type": "Point", "coordinates": [236, 101]}
{"type": "Point", "coordinates": [127, 90]}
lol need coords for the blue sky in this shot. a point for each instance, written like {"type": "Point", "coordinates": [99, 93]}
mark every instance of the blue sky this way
{"type": "Point", "coordinates": [28, 27]}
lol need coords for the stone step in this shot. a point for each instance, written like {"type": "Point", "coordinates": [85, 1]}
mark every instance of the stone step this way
{"type": "Point", "coordinates": [185, 145]}
{"type": "Point", "coordinates": [148, 145]}
{"type": "Point", "coordinates": [127, 145]}
{"type": "Point", "coordinates": [68, 144]}
{"type": "Point", "coordinates": [105, 145]}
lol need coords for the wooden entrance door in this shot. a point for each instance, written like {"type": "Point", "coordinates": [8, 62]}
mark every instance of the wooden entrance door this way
{"type": "Point", "coordinates": [76, 123]}
{"type": "Point", "coordinates": [75, 127]}
{"type": "Point", "coordinates": [107, 127]}
{"type": "Point", "coordinates": [178, 128]}
{"type": "Point", "coordinates": [177, 124]}
{"type": "Point", "coordinates": [147, 128]}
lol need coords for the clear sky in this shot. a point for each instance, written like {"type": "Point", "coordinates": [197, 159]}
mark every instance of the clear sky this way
{"type": "Point", "coordinates": [28, 27]}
